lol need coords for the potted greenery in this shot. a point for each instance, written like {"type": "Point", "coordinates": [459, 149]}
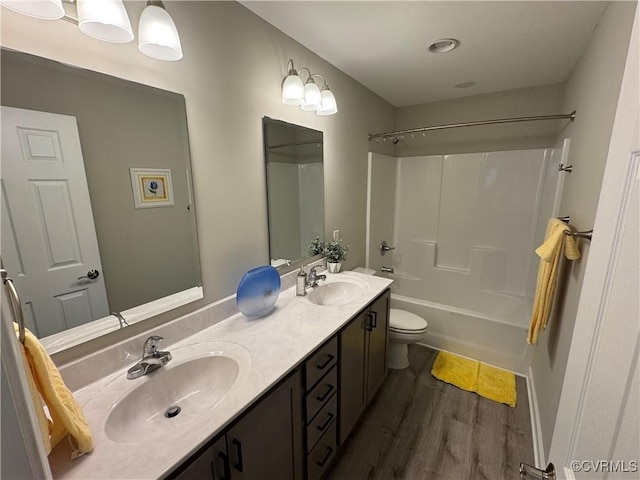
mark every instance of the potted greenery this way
{"type": "Point", "coordinates": [336, 253]}
{"type": "Point", "coordinates": [316, 247]}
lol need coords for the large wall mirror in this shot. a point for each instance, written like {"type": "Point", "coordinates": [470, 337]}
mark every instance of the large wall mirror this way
{"type": "Point", "coordinates": [295, 190]}
{"type": "Point", "coordinates": [97, 206]}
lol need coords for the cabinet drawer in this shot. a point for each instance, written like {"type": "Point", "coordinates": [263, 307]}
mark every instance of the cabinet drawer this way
{"type": "Point", "coordinates": [320, 394]}
{"type": "Point", "coordinates": [322, 454]}
{"type": "Point", "coordinates": [320, 363]}
{"type": "Point", "coordinates": [322, 422]}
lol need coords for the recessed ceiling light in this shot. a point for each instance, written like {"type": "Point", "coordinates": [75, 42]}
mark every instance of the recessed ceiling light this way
{"type": "Point", "coordinates": [468, 84]}
{"type": "Point", "coordinates": [443, 45]}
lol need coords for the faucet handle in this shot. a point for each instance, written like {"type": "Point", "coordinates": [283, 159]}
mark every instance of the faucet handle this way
{"type": "Point", "coordinates": [151, 345]}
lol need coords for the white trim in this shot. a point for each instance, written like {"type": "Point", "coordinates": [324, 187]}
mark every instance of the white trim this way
{"type": "Point", "coordinates": [568, 474]}
{"type": "Point", "coordinates": [29, 436]}
{"type": "Point", "coordinates": [603, 303]}
{"type": "Point", "coordinates": [536, 426]}
{"type": "Point", "coordinates": [367, 245]}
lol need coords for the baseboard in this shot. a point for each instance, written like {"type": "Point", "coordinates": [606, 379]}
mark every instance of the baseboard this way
{"type": "Point", "coordinates": [536, 428]}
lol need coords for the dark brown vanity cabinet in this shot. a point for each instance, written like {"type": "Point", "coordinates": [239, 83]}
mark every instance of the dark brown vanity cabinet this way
{"type": "Point", "coordinates": [294, 431]}
{"type": "Point", "coordinates": [264, 443]}
{"type": "Point", "coordinates": [321, 408]}
{"type": "Point", "coordinates": [363, 352]}
{"type": "Point", "coordinates": [209, 464]}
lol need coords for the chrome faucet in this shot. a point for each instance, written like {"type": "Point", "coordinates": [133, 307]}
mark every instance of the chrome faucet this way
{"type": "Point", "coordinates": [152, 359]}
{"type": "Point", "coordinates": [313, 277]}
{"type": "Point", "coordinates": [121, 320]}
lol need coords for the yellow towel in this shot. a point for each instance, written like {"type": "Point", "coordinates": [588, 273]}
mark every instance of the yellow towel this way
{"type": "Point", "coordinates": [549, 253]}
{"type": "Point", "coordinates": [47, 386]}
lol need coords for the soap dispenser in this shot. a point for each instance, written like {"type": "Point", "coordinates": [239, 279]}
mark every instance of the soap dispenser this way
{"type": "Point", "coordinates": [301, 283]}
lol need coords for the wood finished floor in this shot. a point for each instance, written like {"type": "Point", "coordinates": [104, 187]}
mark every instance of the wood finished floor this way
{"type": "Point", "coordinates": [421, 428]}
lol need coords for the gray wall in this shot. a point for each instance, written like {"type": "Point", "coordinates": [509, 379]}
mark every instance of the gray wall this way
{"type": "Point", "coordinates": [524, 102]}
{"type": "Point", "coordinates": [121, 125]}
{"type": "Point", "coordinates": [231, 76]}
{"type": "Point", "coordinates": [592, 89]}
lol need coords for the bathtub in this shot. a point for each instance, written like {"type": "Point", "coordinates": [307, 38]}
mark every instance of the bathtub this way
{"type": "Point", "coordinates": [474, 334]}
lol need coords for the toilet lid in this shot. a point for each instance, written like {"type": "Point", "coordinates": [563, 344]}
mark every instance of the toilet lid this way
{"type": "Point", "coordinates": [406, 321]}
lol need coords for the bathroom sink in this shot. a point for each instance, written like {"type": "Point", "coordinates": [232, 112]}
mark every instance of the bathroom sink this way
{"type": "Point", "coordinates": [340, 291]}
{"type": "Point", "coordinates": [168, 400]}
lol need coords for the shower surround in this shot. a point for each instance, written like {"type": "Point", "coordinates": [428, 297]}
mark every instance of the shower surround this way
{"type": "Point", "coordinates": [465, 227]}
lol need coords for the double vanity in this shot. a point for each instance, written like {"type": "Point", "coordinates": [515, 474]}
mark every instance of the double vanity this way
{"type": "Point", "coordinates": [270, 397]}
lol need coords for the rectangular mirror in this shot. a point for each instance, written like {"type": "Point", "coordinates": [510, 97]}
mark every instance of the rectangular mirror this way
{"type": "Point", "coordinates": [295, 189]}
{"type": "Point", "coordinates": [98, 213]}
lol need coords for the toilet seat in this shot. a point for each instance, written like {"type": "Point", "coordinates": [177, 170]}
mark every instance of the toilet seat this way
{"type": "Point", "coordinates": [401, 321]}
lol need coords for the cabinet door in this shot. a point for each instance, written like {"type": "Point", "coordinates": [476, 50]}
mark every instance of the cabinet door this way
{"type": "Point", "coordinates": [352, 368]}
{"type": "Point", "coordinates": [209, 465]}
{"type": "Point", "coordinates": [266, 442]}
{"type": "Point", "coordinates": [377, 347]}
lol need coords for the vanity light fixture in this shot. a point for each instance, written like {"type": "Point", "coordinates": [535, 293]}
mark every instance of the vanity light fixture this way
{"type": "Point", "coordinates": [157, 33]}
{"type": "Point", "coordinates": [46, 9]}
{"type": "Point", "coordinates": [307, 94]}
{"type": "Point", "coordinates": [107, 20]}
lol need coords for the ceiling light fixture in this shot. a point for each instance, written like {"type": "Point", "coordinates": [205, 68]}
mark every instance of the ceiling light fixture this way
{"type": "Point", "coordinates": [307, 94]}
{"type": "Point", "coordinates": [443, 45]}
{"type": "Point", "coordinates": [107, 20]}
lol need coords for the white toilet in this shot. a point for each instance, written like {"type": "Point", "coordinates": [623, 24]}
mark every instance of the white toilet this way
{"type": "Point", "coordinates": [404, 328]}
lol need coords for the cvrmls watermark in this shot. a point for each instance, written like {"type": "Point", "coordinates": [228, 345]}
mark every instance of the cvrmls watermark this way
{"type": "Point", "coordinates": [601, 466]}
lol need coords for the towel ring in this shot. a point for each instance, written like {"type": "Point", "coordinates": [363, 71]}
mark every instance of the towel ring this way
{"type": "Point", "coordinates": [16, 305]}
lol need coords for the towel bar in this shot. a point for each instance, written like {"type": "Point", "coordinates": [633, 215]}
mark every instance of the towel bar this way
{"type": "Point", "coordinates": [586, 234]}
{"type": "Point", "coordinates": [16, 305]}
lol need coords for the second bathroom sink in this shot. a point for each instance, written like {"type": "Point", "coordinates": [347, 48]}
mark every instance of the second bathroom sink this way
{"type": "Point", "coordinates": [338, 290]}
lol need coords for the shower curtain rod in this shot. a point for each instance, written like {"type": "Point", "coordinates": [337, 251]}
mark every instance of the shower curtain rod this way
{"type": "Point", "coordinates": [395, 136]}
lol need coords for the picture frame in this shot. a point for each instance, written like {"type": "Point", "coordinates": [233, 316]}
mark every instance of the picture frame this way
{"type": "Point", "coordinates": [152, 187]}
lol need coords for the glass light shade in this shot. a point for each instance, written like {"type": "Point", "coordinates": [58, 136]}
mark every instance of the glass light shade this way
{"type": "Point", "coordinates": [293, 90]}
{"type": "Point", "coordinates": [45, 9]}
{"type": "Point", "coordinates": [312, 97]}
{"type": "Point", "coordinates": [157, 35]}
{"type": "Point", "coordinates": [105, 20]}
{"type": "Point", "coordinates": [329, 105]}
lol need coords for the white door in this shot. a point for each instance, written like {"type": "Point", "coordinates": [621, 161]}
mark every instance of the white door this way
{"type": "Point", "coordinates": [48, 236]}
{"type": "Point", "coordinates": [598, 426]}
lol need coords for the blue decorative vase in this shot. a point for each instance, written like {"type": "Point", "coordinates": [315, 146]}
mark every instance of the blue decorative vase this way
{"type": "Point", "coordinates": [258, 291]}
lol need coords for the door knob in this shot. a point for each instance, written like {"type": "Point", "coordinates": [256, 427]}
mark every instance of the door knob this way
{"type": "Point", "coordinates": [384, 248]}
{"type": "Point", "coordinates": [91, 275]}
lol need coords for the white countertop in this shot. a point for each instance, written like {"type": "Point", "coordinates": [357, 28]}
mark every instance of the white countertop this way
{"type": "Point", "coordinates": [276, 343]}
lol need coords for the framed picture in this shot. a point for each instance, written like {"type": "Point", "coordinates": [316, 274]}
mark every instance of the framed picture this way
{"type": "Point", "coordinates": [152, 187]}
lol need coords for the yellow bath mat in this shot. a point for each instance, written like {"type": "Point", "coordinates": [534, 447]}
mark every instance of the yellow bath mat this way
{"type": "Point", "coordinates": [489, 382]}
